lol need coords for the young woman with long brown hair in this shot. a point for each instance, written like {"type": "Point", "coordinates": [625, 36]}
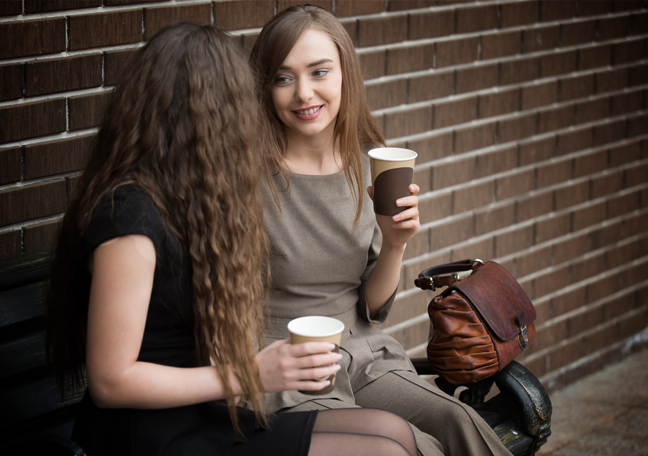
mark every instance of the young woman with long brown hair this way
{"type": "Point", "coordinates": [156, 281]}
{"type": "Point", "coordinates": [331, 255]}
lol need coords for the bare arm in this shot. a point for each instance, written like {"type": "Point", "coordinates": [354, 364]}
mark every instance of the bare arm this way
{"type": "Point", "coordinates": [396, 231]}
{"type": "Point", "coordinates": [122, 280]}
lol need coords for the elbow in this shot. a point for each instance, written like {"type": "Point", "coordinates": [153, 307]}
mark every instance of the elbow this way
{"type": "Point", "coordinates": [105, 393]}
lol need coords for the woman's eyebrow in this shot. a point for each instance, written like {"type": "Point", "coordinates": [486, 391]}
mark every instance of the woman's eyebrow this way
{"type": "Point", "coordinates": [319, 62]}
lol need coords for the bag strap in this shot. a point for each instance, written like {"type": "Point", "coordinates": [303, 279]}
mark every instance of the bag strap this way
{"type": "Point", "coordinates": [433, 278]}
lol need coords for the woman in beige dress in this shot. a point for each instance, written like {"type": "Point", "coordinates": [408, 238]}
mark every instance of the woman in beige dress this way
{"type": "Point", "coordinates": [331, 255]}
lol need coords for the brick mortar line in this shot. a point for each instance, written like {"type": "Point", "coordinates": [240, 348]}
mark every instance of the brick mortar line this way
{"type": "Point", "coordinates": [48, 138]}
{"type": "Point", "coordinates": [38, 181]}
{"type": "Point", "coordinates": [505, 59]}
{"type": "Point", "coordinates": [57, 96]}
{"type": "Point", "coordinates": [561, 344]}
{"type": "Point", "coordinates": [626, 346]}
{"type": "Point", "coordinates": [521, 253]}
{"type": "Point", "coordinates": [487, 32]}
{"type": "Point", "coordinates": [21, 226]}
{"type": "Point", "coordinates": [71, 54]}
{"type": "Point", "coordinates": [497, 89]}
{"type": "Point", "coordinates": [26, 17]}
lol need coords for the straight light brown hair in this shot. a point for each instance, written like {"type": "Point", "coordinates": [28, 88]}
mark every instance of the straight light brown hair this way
{"type": "Point", "coordinates": [355, 125]}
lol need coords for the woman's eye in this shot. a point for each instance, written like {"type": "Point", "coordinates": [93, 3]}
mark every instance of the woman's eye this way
{"type": "Point", "coordinates": [320, 73]}
{"type": "Point", "coordinates": [281, 80]}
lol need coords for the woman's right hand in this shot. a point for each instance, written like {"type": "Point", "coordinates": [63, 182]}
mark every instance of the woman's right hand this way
{"type": "Point", "coordinates": [285, 367]}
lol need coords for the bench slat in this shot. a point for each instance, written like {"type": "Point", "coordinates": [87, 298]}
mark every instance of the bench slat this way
{"type": "Point", "coordinates": [22, 303]}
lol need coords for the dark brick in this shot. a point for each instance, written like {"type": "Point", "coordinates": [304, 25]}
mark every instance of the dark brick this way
{"type": "Point", "coordinates": [390, 93]}
{"type": "Point", "coordinates": [623, 204]}
{"type": "Point", "coordinates": [382, 30]}
{"type": "Point", "coordinates": [472, 196]}
{"type": "Point", "coordinates": [539, 94]}
{"type": "Point", "coordinates": [344, 8]}
{"type": "Point", "coordinates": [71, 183]}
{"type": "Point", "coordinates": [455, 112]}
{"type": "Point", "coordinates": [540, 38]}
{"type": "Point", "coordinates": [34, 201]}
{"type": "Point", "coordinates": [613, 79]}
{"type": "Point", "coordinates": [452, 232]}
{"type": "Point", "coordinates": [87, 111]}
{"type": "Point", "coordinates": [626, 153]}
{"type": "Point", "coordinates": [476, 19]}
{"type": "Point", "coordinates": [518, 127]}
{"type": "Point", "coordinates": [574, 140]}
{"type": "Point", "coordinates": [516, 71]}
{"type": "Point", "coordinates": [32, 119]}
{"type": "Point", "coordinates": [40, 6]}
{"type": "Point", "coordinates": [628, 51]}
{"type": "Point", "coordinates": [59, 75]}
{"type": "Point", "coordinates": [476, 137]}
{"type": "Point", "coordinates": [594, 57]}
{"type": "Point", "coordinates": [125, 2]}
{"type": "Point", "coordinates": [453, 172]}
{"type": "Point", "coordinates": [105, 29]}
{"type": "Point", "coordinates": [436, 207]}
{"type": "Point", "coordinates": [588, 216]}
{"type": "Point", "coordinates": [431, 86]}
{"type": "Point", "coordinates": [606, 184]}
{"type": "Point", "coordinates": [639, 75]}
{"type": "Point", "coordinates": [372, 64]}
{"type": "Point", "coordinates": [155, 19]}
{"type": "Point", "coordinates": [56, 157]}
{"type": "Point", "coordinates": [283, 4]}
{"type": "Point", "coordinates": [578, 32]}
{"type": "Point", "coordinates": [476, 78]}
{"type": "Point", "coordinates": [635, 225]}
{"type": "Point", "coordinates": [551, 10]}
{"type": "Point", "coordinates": [10, 165]}
{"type": "Point", "coordinates": [639, 23]}
{"type": "Point", "coordinates": [638, 126]}
{"type": "Point", "coordinates": [627, 5]}
{"type": "Point", "coordinates": [590, 163]}
{"type": "Point", "coordinates": [114, 64]}
{"type": "Point", "coordinates": [613, 27]}
{"type": "Point", "coordinates": [554, 172]}
{"type": "Point", "coordinates": [596, 8]}
{"type": "Point", "coordinates": [570, 248]}
{"type": "Point", "coordinates": [513, 241]}
{"type": "Point", "coordinates": [404, 123]}
{"type": "Point", "coordinates": [519, 13]}
{"type": "Point", "coordinates": [515, 184]}
{"type": "Point", "coordinates": [537, 150]}
{"type": "Point", "coordinates": [609, 132]}
{"type": "Point", "coordinates": [498, 103]}
{"type": "Point", "coordinates": [625, 103]}
{"type": "Point", "coordinates": [399, 5]}
{"type": "Point", "coordinates": [552, 226]}
{"type": "Point", "coordinates": [558, 63]}
{"type": "Point", "coordinates": [501, 44]}
{"type": "Point", "coordinates": [474, 249]}
{"type": "Point", "coordinates": [636, 175]}
{"type": "Point", "coordinates": [571, 195]}
{"type": "Point", "coordinates": [555, 119]}
{"type": "Point", "coordinates": [588, 111]}
{"type": "Point", "coordinates": [432, 147]}
{"type": "Point", "coordinates": [411, 58]}
{"type": "Point", "coordinates": [455, 52]}
{"type": "Point", "coordinates": [429, 25]}
{"type": "Point", "coordinates": [10, 8]}
{"type": "Point", "coordinates": [10, 243]}
{"type": "Point", "coordinates": [494, 217]}
{"type": "Point", "coordinates": [496, 162]}
{"type": "Point", "coordinates": [12, 77]}
{"type": "Point", "coordinates": [38, 236]}
{"type": "Point", "coordinates": [350, 27]}
{"type": "Point", "coordinates": [576, 87]}
{"type": "Point", "coordinates": [20, 39]}
{"type": "Point", "coordinates": [533, 206]}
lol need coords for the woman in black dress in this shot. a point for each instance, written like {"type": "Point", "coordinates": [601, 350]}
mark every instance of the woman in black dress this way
{"type": "Point", "coordinates": [157, 276]}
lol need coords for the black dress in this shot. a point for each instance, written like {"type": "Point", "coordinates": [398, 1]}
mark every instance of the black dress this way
{"type": "Point", "coordinates": [201, 429]}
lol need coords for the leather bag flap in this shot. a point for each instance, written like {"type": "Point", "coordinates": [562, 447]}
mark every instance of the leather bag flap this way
{"type": "Point", "coordinates": [498, 298]}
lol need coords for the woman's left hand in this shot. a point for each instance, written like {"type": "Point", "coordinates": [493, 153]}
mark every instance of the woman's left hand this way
{"type": "Point", "coordinates": [400, 228]}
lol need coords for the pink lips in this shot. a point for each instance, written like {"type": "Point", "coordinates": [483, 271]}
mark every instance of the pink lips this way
{"type": "Point", "coordinates": [308, 116]}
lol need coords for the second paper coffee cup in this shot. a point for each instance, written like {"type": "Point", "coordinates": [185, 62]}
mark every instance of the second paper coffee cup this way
{"type": "Point", "coordinates": [317, 329]}
{"type": "Point", "coordinates": [392, 169]}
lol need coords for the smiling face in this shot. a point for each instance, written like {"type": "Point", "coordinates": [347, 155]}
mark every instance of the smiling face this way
{"type": "Point", "coordinates": [307, 89]}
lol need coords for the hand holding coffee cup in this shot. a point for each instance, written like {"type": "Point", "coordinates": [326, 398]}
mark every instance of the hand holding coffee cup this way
{"type": "Point", "coordinates": [392, 169]}
{"type": "Point", "coordinates": [317, 329]}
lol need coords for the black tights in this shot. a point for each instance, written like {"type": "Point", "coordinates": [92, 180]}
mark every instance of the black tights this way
{"type": "Point", "coordinates": [360, 432]}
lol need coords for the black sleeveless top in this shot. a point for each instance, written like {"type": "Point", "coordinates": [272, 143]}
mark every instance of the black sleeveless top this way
{"type": "Point", "coordinates": [201, 429]}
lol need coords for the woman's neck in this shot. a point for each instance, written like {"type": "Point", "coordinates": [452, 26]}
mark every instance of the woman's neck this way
{"type": "Point", "coordinates": [313, 156]}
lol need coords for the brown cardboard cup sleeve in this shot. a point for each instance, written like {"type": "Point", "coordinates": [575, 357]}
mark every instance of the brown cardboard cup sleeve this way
{"type": "Point", "coordinates": [392, 169]}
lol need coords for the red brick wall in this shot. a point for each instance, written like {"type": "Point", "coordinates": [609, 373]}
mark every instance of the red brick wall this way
{"type": "Point", "coordinates": [529, 117]}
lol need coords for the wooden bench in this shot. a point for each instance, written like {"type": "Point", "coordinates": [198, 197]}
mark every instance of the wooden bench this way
{"type": "Point", "coordinates": [34, 420]}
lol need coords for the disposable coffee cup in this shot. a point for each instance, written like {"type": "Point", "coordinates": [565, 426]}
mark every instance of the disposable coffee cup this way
{"type": "Point", "coordinates": [392, 169]}
{"type": "Point", "coordinates": [317, 329]}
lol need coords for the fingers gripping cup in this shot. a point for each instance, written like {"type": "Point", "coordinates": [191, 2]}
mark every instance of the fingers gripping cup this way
{"type": "Point", "coordinates": [392, 169]}
{"type": "Point", "coordinates": [317, 329]}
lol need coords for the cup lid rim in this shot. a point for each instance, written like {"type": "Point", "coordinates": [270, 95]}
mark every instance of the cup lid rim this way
{"type": "Point", "coordinates": [327, 334]}
{"type": "Point", "coordinates": [374, 152]}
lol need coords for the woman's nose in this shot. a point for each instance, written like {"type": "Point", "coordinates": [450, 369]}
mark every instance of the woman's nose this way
{"type": "Point", "coordinates": [304, 91]}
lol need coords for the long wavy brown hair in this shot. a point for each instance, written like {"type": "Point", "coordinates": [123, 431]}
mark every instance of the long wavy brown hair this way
{"type": "Point", "coordinates": [354, 126]}
{"type": "Point", "coordinates": [184, 125]}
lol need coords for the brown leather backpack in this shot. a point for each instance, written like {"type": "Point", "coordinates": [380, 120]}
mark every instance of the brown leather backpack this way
{"type": "Point", "coordinates": [480, 323]}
